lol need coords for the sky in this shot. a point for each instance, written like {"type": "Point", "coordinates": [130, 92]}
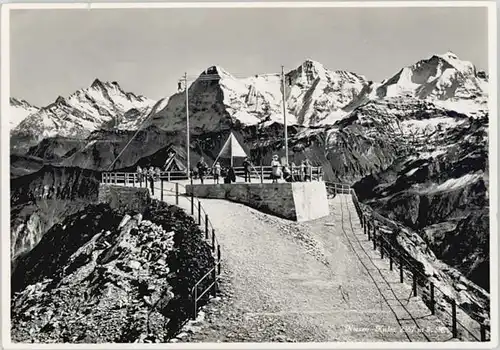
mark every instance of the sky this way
{"type": "Point", "coordinates": [56, 52]}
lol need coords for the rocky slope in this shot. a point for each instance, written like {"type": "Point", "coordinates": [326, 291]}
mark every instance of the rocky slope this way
{"type": "Point", "coordinates": [98, 278]}
{"type": "Point", "coordinates": [103, 105]}
{"type": "Point", "coordinates": [44, 198]}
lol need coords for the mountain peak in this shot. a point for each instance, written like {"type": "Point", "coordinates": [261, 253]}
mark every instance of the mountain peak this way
{"type": "Point", "coordinates": [98, 84]}
{"type": "Point", "coordinates": [215, 70]}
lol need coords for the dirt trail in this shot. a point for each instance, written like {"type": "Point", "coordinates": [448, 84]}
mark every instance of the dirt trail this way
{"type": "Point", "coordinates": [315, 281]}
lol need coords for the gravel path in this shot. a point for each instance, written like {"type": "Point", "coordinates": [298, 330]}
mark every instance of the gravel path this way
{"type": "Point", "coordinates": [298, 282]}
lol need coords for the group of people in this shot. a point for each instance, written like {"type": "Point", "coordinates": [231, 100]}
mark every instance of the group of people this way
{"type": "Point", "coordinates": [291, 172]}
{"type": "Point", "coordinates": [202, 169]}
{"type": "Point", "coordinates": [150, 174]}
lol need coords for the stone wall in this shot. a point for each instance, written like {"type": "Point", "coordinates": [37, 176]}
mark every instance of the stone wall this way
{"type": "Point", "coordinates": [294, 201]}
{"type": "Point", "coordinates": [124, 199]}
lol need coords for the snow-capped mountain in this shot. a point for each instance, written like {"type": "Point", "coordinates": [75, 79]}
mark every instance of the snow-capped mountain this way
{"type": "Point", "coordinates": [19, 110]}
{"type": "Point", "coordinates": [313, 95]}
{"type": "Point", "coordinates": [451, 82]}
{"type": "Point", "coordinates": [317, 96]}
{"type": "Point", "coordinates": [102, 105]}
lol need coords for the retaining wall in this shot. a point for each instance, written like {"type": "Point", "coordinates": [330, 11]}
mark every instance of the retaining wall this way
{"type": "Point", "coordinates": [299, 201]}
{"type": "Point", "coordinates": [124, 199]}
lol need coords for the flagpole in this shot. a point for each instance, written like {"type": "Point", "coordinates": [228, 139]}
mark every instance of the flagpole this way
{"type": "Point", "coordinates": [284, 113]}
{"type": "Point", "coordinates": [187, 125]}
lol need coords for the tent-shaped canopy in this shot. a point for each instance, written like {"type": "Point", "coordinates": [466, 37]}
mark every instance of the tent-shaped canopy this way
{"type": "Point", "coordinates": [232, 148]}
{"type": "Point", "coordinates": [173, 163]}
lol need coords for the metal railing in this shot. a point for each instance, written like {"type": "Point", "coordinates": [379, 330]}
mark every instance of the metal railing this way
{"type": "Point", "coordinates": [444, 306]}
{"type": "Point", "coordinates": [261, 173]}
{"type": "Point", "coordinates": [197, 212]}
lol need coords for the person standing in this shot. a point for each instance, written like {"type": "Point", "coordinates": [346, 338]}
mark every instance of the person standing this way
{"type": "Point", "coordinates": [202, 168]}
{"type": "Point", "coordinates": [217, 172]}
{"type": "Point", "coordinates": [308, 170]}
{"type": "Point", "coordinates": [139, 173]}
{"type": "Point", "coordinates": [247, 167]}
{"type": "Point", "coordinates": [276, 171]}
{"type": "Point", "coordinates": [302, 170]}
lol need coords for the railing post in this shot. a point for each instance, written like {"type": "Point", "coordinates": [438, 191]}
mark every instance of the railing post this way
{"type": "Point", "coordinates": [483, 332]}
{"type": "Point", "coordinates": [177, 193]}
{"type": "Point", "coordinates": [218, 257]}
{"type": "Point", "coordinates": [374, 239]}
{"type": "Point", "coordinates": [199, 212]}
{"type": "Point", "coordinates": [381, 247]}
{"type": "Point", "coordinates": [192, 201]}
{"type": "Point", "coordinates": [125, 179]}
{"type": "Point", "coordinates": [213, 240]}
{"type": "Point", "coordinates": [161, 187]}
{"type": "Point", "coordinates": [454, 318]}
{"type": "Point", "coordinates": [168, 176]}
{"type": "Point", "coordinates": [261, 174]}
{"type": "Point", "coordinates": [206, 226]}
{"type": "Point", "coordinates": [390, 257]}
{"type": "Point", "coordinates": [433, 305]}
{"type": "Point", "coordinates": [195, 311]}
{"type": "Point", "coordinates": [414, 277]}
{"type": "Point", "coordinates": [214, 276]}
{"type": "Point", "coordinates": [133, 179]}
{"type": "Point", "coordinates": [368, 230]}
{"type": "Point", "coordinates": [400, 269]}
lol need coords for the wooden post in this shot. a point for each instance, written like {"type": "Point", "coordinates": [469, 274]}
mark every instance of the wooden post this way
{"type": "Point", "coordinates": [364, 225]}
{"type": "Point", "coordinates": [168, 176]}
{"type": "Point", "coordinates": [401, 269]}
{"type": "Point", "coordinates": [261, 174]}
{"type": "Point", "coordinates": [218, 256]}
{"type": "Point", "coordinates": [206, 226]}
{"type": "Point", "coordinates": [454, 318]}
{"type": "Point", "coordinates": [133, 179]}
{"type": "Point", "coordinates": [177, 193]}
{"type": "Point", "coordinates": [433, 303]}
{"type": "Point", "coordinates": [161, 187]}
{"type": "Point", "coordinates": [374, 239]}
{"type": "Point", "coordinates": [369, 229]}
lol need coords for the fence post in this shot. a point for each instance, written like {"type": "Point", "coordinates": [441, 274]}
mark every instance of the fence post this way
{"type": "Point", "coordinates": [483, 332]}
{"type": "Point", "coordinates": [364, 225]}
{"type": "Point", "coordinates": [177, 193]}
{"type": "Point", "coordinates": [374, 239]}
{"type": "Point", "coordinates": [199, 212]}
{"type": "Point", "coordinates": [168, 176]}
{"type": "Point", "coordinates": [206, 226]}
{"type": "Point", "coordinates": [261, 174]}
{"type": "Point", "coordinates": [214, 276]}
{"type": "Point", "coordinates": [400, 269]}
{"type": "Point", "coordinates": [390, 257]}
{"type": "Point", "coordinates": [213, 240]}
{"type": "Point", "coordinates": [368, 230]}
{"type": "Point", "coordinates": [381, 247]}
{"type": "Point", "coordinates": [454, 318]}
{"type": "Point", "coordinates": [218, 256]}
{"type": "Point", "coordinates": [414, 277]}
{"type": "Point", "coordinates": [192, 201]}
{"type": "Point", "coordinates": [433, 306]}
{"type": "Point", "coordinates": [133, 179]}
{"type": "Point", "coordinates": [195, 311]}
{"type": "Point", "coordinates": [161, 187]}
